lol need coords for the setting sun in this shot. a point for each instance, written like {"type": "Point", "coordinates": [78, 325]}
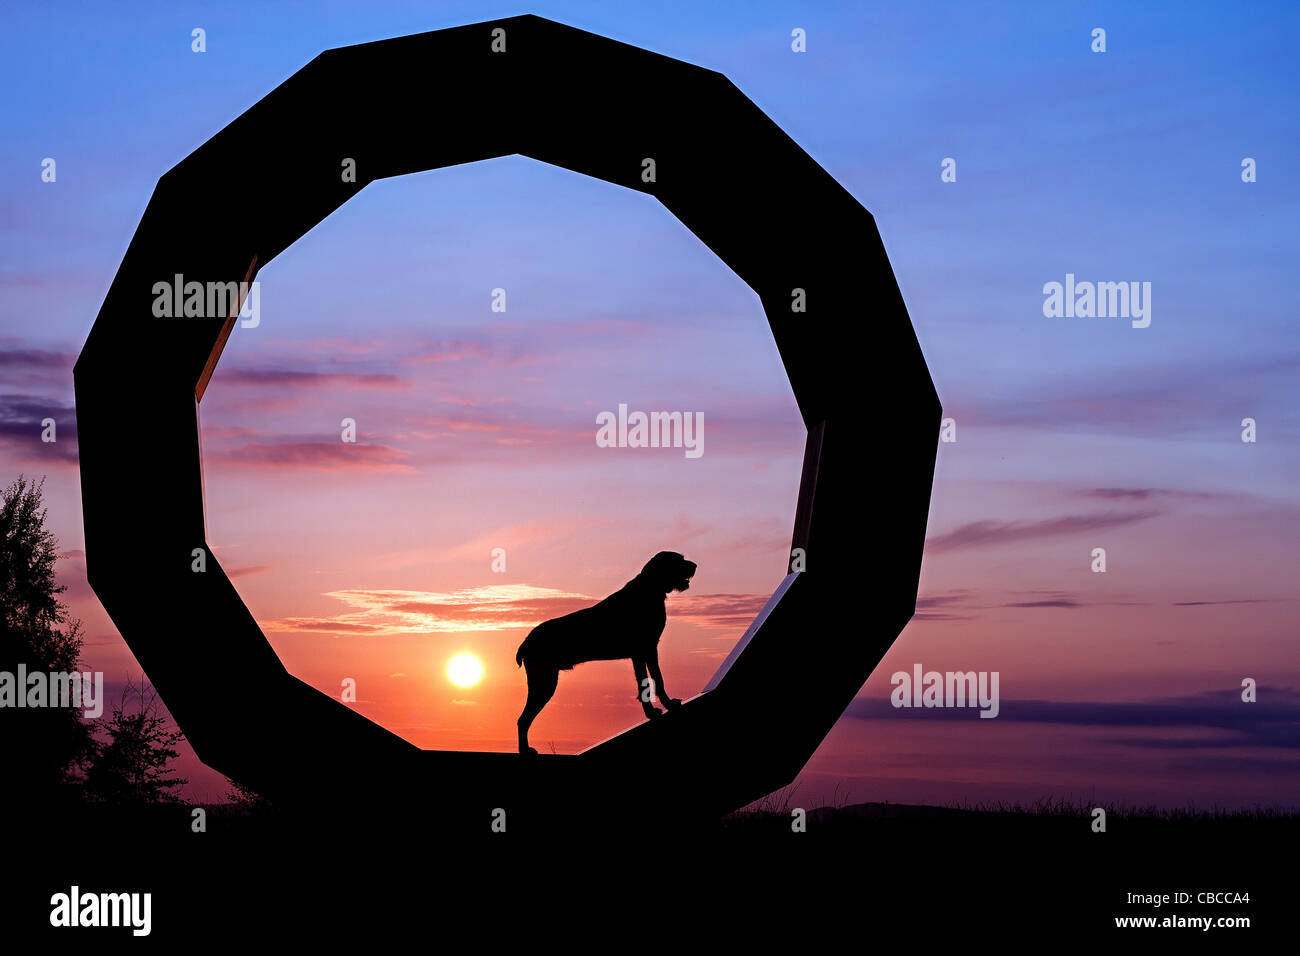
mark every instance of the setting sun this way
{"type": "Point", "coordinates": [464, 670]}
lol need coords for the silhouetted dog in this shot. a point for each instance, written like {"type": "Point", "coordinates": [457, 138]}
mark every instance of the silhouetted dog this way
{"type": "Point", "coordinates": [628, 623]}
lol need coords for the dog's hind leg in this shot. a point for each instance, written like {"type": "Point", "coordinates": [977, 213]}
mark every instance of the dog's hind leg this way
{"type": "Point", "coordinates": [542, 681]}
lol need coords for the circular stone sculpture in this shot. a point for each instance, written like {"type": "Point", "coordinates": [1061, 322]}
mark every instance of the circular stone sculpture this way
{"type": "Point", "coordinates": [531, 87]}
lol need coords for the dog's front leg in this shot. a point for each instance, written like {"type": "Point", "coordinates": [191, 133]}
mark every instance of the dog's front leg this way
{"type": "Point", "coordinates": [652, 661]}
{"type": "Point", "coordinates": [644, 691]}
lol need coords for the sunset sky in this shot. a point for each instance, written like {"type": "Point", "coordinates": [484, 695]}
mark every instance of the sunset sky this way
{"type": "Point", "coordinates": [476, 429]}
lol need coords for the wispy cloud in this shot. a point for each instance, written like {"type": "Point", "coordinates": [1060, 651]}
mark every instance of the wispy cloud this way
{"type": "Point", "coordinates": [1144, 494]}
{"type": "Point", "coordinates": [961, 604]}
{"type": "Point", "coordinates": [300, 378]}
{"type": "Point", "coordinates": [1057, 603]}
{"type": "Point", "coordinates": [498, 427]}
{"type": "Point", "coordinates": [978, 534]}
{"type": "Point", "coordinates": [941, 607]}
{"type": "Point", "coordinates": [244, 572]}
{"type": "Point", "coordinates": [1273, 721]}
{"type": "Point", "coordinates": [1209, 603]}
{"type": "Point", "coordinates": [499, 607]}
{"type": "Point", "coordinates": [320, 455]}
{"type": "Point", "coordinates": [20, 429]}
{"type": "Point", "coordinates": [15, 359]}
{"type": "Point", "coordinates": [723, 611]}
{"type": "Point", "coordinates": [502, 607]}
{"type": "Point", "coordinates": [1161, 400]}
{"type": "Point", "coordinates": [447, 351]}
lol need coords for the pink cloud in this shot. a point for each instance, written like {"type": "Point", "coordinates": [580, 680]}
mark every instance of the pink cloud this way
{"type": "Point", "coordinates": [246, 571]}
{"type": "Point", "coordinates": [328, 456]}
{"type": "Point", "coordinates": [297, 378]}
{"type": "Point", "coordinates": [725, 611]}
{"type": "Point", "coordinates": [982, 533]}
{"type": "Point", "coordinates": [387, 612]}
{"type": "Point", "coordinates": [450, 352]}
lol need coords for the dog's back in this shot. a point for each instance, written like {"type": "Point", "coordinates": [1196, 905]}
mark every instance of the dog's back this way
{"type": "Point", "coordinates": [601, 632]}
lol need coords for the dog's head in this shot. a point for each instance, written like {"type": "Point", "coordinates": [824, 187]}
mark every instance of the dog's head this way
{"type": "Point", "coordinates": [669, 571]}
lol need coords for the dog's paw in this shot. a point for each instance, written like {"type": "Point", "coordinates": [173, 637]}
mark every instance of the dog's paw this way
{"type": "Point", "coordinates": [528, 751]}
{"type": "Point", "coordinates": [651, 712]}
{"type": "Point", "coordinates": [671, 704]}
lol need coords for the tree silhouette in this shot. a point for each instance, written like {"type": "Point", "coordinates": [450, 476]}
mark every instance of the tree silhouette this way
{"type": "Point", "coordinates": [45, 747]}
{"type": "Point", "coordinates": [130, 766]}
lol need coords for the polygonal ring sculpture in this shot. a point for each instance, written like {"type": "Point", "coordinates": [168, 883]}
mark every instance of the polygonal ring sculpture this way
{"type": "Point", "coordinates": [559, 95]}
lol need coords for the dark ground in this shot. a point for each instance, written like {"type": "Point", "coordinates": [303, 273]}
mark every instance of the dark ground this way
{"type": "Point", "coordinates": [978, 878]}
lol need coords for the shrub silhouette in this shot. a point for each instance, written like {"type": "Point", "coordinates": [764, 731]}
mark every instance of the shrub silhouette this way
{"type": "Point", "coordinates": [130, 766]}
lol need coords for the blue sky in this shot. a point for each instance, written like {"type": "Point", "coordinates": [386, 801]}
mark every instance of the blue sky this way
{"type": "Point", "coordinates": [1116, 165]}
